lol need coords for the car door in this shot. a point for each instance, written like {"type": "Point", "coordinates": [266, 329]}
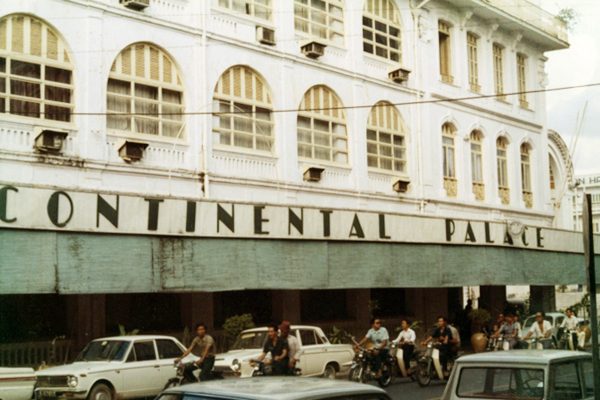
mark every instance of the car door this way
{"type": "Point", "coordinates": [566, 381]}
{"type": "Point", "coordinates": [311, 360]}
{"type": "Point", "coordinates": [141, 371]}
{"type": "Point", "coordinates": [167, 351]}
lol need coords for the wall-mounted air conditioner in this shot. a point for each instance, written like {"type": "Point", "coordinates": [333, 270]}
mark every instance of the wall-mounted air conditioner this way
{"type": "Point", "coordinates": [313, 49]}
{"type": "Point", "coordinates": [135, 4]}
{"type": "Point", "coordinates": [265, 35]}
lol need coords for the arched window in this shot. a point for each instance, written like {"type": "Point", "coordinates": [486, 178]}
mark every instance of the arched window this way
{"type": "Point", "coordinates": [322, 126]}
{"type": "Point", "coordinates": [526, 175]}
{"type": "Point", "coordinates": [501, 160]}
{"type": "Point", "coordinates": [386, 142]}
{"type": "Point", "coordinates": [144, 85]}
{"type": "Point", "coordinates": [449, 164]}
{"type": "Point", "coordinates": [477, 165]}
{"type": "Point", "coordinates": [36, 75]}
{"type": "Point", "coordinates": [256, 8]}
{"type": "Point", "coordinates": [323, 19]}
{"type": "Point", "coordinates": [243, 102]}
{"type": "Point", "coordinates": [382, 29]}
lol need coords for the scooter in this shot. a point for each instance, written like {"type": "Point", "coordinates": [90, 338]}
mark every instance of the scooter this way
{"type": "Point", "coordinates": [537, 344]}
{"type": "Point", "coordinates": [361, 368]}
{"type": "Point", "coordinates": [180, 378]}
{"type": "Point", "coordinates": [565, 339]}
{"type": "Point", "coordinates": [429, 365]}
{"type": "Point", "coordinates": [404, 371]}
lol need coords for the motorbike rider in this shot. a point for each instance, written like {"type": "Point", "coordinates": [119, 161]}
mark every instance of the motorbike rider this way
{"type": "Point", "coordinates": [379, 336]}
{"type": "Point", "coordinates": [279, 349]}
{"type": "Point", "coordinates": [443, 335]}
{"type": "Point", "coordinates": [406, 340]}
{"type": "Point", "coordinates": [569, 324]}
{"type": "Point", "coordinates": [541, 329]}
{"type": "Point", "coordinates": [202, 346]}
{"type": "Point", "coordinates": [509, 330]}
{"type": "Point", "coordinates": [293, 344]}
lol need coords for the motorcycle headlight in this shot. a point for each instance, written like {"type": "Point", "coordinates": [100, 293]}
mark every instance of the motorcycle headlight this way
{"type": "Point", "coordinates": [72, 381]}
{"type": "Point", "coordinates": [236, 365]}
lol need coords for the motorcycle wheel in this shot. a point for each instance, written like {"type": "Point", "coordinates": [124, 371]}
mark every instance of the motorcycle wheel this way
{"type": "Point", "coordinates": [423, 375]}
{"type": "Point", "coordinates": [173, 382]}
{"type": "Point", "coordinates": [386, 377]}
{"type": "Point", "coordinates": [356, 374]}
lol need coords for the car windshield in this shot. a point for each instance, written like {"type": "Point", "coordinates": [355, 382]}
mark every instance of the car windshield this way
{"type": "Point", "coordinates": [501, 383]}
{"type": "Point", "coordinates": [104, 350]}
{"type": "Point", "coordinates": [530, 320]}
{"type": "Point", "coordinates": [250, 340]}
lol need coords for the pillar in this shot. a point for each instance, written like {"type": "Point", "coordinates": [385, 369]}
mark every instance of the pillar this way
{"type": "Point", "coordinates": [357, 303]}
{"type": "Point", "coordinates": [86, 318]}
{"type": "Point", "coordinates": [286, 305]}
{"type": "Point", "coordinates": [198, 307]}
{"type": "Point", "coordinates": [492, 299]}
{"type": "Point", "coordinates": [542, 298]}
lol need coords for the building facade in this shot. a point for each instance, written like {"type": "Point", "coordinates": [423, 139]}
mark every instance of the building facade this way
{"type": "Point", "coordinates": [164, 161]}
{"type": "Point", "coordinates": [586, 184]}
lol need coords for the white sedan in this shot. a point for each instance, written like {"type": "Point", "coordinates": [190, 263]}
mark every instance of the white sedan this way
{"type": "Point", "coordinates": [16, 383]}
{"type": "Point", "coordinates": [318, 357]}
{"type": "Point", "coordinates": [113, 367]}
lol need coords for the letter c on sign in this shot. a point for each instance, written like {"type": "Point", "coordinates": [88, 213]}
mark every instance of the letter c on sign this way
{"type": "Point", "coordinates": [52, 208]}
{"type": "Point", "coordinates": [4, 202]}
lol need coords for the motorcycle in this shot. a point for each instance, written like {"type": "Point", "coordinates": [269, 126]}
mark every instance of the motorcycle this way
{"type": "Point", "coordinates": [537, 344]}
{"type": "Point", "coordinates": [361, 369]}
{"type": "Point", "coordinates": [429, 365]}
{"type": "Point", "coordinates": [565, 339]}
{"type": "Point", "coordinates": [262, 368]}
{"type": "Point", "coordinates": [404, 371]}
{"type": "Point", "coordinates": [501, 343]}
{"type": "Point", "coordinates": [180, 378]}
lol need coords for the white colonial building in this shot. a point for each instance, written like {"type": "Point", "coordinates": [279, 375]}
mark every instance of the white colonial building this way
{"type": "Point", "coordinates": [188, 147]}
{"type": "Point", "coordinates": [586, 184]}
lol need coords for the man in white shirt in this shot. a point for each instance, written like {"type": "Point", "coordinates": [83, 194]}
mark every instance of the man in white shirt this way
{"type": "Point", "coordinates": [570, 326]}
{"type": "Point", "coordinates": [293, 344]}
{"type": "Point", "coordinates": [406, 340]}
{"type": "Point", "coordinates": [378, 335]}
{"type": "Point", "coordinates": [541, 329]}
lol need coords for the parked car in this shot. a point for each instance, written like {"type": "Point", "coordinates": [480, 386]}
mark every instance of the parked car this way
{"type": "Point", "coordinates": [279, 388]}
{"type": "Point", "coordinates": [522, 374]}
{"type": "Point", "coordinates": [318, 356]}
{"type": "Point", "coordinates": [16, 383]}
{"type": "Point", "coordinates": [555, 319]}
{"type": "Point", "coordinates": [113, 367]}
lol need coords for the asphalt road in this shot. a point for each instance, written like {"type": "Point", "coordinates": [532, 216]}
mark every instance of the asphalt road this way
{"type": "Point", "coordinates": [404, 389]}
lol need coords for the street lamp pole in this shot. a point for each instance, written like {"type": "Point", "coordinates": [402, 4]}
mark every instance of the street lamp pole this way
{"type": "Point", "coordinates": [588, 245]}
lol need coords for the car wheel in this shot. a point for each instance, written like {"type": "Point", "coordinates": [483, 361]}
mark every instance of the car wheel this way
{"type": "Point", "coordinates": [173, 382]}
{"type": "Point", "coordinates": [101, 391]}
{"type": "Point", "coordinates": [330, 371]}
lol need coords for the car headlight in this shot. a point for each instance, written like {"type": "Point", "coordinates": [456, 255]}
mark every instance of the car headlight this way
{"type": "Point", "coordinates": [235, 364]}
{"type": "Point", "coordinates": [72, 381]}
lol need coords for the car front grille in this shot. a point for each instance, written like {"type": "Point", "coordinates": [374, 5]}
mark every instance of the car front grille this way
{"type": "Point", "coordinates": [51, 381]}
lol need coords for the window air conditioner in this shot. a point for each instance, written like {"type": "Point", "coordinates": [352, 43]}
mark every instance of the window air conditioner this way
{"type": "Point", "coordinates": [401, 185]}
{"type": "Point", "coordinates": [313, 174]}
{"type": "Point", "coordinates": [132, 151]}
{"type": "Point", "coordinates": [49, 140]}
{"type": "Point", "coordinates": [135, 4]}
{"type": "Point", "coordinates": [313, 49]}
{"type": "Point", "coordinates": [399, 75]}
{"type": "Point", "coordinates": [265, 35]}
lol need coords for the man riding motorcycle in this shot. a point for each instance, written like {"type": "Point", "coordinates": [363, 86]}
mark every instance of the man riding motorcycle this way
{"type": "Point", "coordinates": [202, 346]}
{"type": "Point", "coordinates": [406, 340]}
{"type": "Point", "coordinates": [379, 336]}
{"type": "Point", "coordinates": [569, 326]}
{"type": "Point", "coordinates": [443, 335]}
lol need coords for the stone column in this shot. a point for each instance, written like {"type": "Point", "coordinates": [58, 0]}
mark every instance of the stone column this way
{"type": "Point", "coordinates": [86, 318]}
{"type": "Point", "coordinates": [542, 298]}
{"type": "Point", "coordinates": [492, 298]}
{"type": "Point", "coordinates": [198, 307]}
{"type": "Point", "coordinates": [357, 303]}
{"type": "Point", "coordinates": [286, 305]}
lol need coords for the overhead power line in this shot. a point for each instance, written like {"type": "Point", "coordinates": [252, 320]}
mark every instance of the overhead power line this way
{"type": "Point", "coordinates": [289, 110]}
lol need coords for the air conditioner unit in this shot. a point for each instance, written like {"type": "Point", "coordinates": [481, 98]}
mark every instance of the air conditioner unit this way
{"type": "Point", "coordinates": [49, 140]}
{"type": "Point", "coordinates": [265, 35]}
{"type": "Point", "coordinates": [132, 151]}
{"type": "Point", "coordinates": [401, 185]}
{"type": "Point", "coordinates": [399, 75]}
{"type": "Point", "coordinates": [135, 4]}
{"type": "Point", "coordinates": [313, 174]}
{"type": "Point", "coordinates": [313, 49]}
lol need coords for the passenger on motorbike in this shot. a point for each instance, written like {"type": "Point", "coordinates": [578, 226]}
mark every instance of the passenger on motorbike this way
{"type": "Point", "coordinates": [379, 336]}
{"type": "Point", "coordinates": [569, 325]}
{"type": "Point", "coordinates": [279, 349]}
{"type": "Point", "coordinates": [443, 335]}
{"type": "Point", "coordinates": [293, 345]}
{"type": "Point", "coordinates": [202, 346]}
{"type": "Point", "coordinates": [406, 340]}
{"type": "Point", "coordinates": [509, 330]}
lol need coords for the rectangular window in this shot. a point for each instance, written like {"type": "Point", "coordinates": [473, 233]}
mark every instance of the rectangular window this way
{"type": "Point", "coordinates": [502, 170]}
{"type": "Point", "coordinates": [525, 173]}
{"type": "Point", "coordinates": [522, 79]}
{"type": "Point", "coordinates": [501, 383]}
{"type": "Point", "coordinates": [566, 383]}
{"type": "Point", "coordinates": [473, 64]}
{"type": "Point", "coordinates": [499, 71]}
{"type": "Point", "coordinates": [445, 53]}
{"type": "Point", "coordinates": [448, 149]}
{"type": "Point", "coordinates": [476, 163]}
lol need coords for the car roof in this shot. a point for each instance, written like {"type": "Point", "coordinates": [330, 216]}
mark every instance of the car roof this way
{"type": "Point", "coordinates": [550, 314]}
{"type": "Point", "coordinates": [264, 328]}
{"type": "Point", "coordinates": [269, 388]}
{"type": "Point", "coordinates": [130, 338]}
{"type": "Point", "coordinates": [523, 356]}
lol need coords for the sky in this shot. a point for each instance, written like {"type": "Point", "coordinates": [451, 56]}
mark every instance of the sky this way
{"type": "Point", "coordinates": [580, 64]}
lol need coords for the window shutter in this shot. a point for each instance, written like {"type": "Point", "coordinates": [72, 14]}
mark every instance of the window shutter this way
{"type": "Point", "coordinates": [51, 45]}
{"type": "Point", "coordinates": [3, 34]}
{"type": "Point", "coordinates": [35, 37]}
{"type": "Point", "coordinates": [154, 65]}
{"type": "Point", "coordinates": [167, 74]}
{"type": "Point", "coordinates": [126, 61]}
{"type": "Point", "coordinates": [140, 61]}
{"type": "Point", "coordinates": [17, 34]}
